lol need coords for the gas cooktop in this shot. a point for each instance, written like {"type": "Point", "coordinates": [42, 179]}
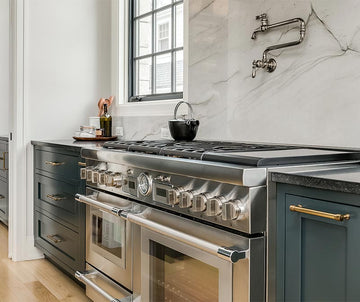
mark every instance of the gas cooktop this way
{"type": "Point", "coordinates": [235, 152]}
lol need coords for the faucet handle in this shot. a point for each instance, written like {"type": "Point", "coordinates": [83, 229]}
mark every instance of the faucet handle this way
{"type": "Point", "coordinates": [255, 66]}
{"type": "Point", "coordinates": [262, 17]}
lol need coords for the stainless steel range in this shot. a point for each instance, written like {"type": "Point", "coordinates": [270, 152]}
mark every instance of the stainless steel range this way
{"type": "Point", "coordinates": [170, 221]}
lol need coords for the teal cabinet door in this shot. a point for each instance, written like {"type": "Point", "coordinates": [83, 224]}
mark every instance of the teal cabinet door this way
{"type": "Point", "coordinates": [322, 255]}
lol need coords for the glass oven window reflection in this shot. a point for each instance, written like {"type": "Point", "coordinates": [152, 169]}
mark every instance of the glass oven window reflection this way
{"type": "Point", "coordinates": [108, 235]}
{"type": "Point", "coordinates": [177, 277]}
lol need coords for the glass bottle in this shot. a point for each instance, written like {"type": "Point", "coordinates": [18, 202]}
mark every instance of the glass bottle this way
{"type": "Point", "coordinates": [106, 122]}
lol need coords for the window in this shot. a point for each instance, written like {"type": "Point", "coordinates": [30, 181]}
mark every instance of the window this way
{"type": "Point", "coordinates": [156, 50]}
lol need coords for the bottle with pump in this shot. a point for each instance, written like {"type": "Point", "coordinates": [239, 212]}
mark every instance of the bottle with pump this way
{"type": "Point", "coordinates": [106, 122]}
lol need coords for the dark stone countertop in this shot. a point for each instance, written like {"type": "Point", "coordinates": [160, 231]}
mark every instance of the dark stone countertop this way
{"type": "Point", "coordinates": [346, 179]}
{"type": "Point", "coordinates": [69, 143]}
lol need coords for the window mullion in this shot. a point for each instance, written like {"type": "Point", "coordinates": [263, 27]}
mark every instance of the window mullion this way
{"type": "Point", "coordinates": [173, 64]}
{"type": "Point", "coordinates": [153, 50]}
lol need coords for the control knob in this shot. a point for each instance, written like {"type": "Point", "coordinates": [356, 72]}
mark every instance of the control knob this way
{"type": "Point", "coordinates": [117, 180]}
{"type": "Point", "coordinates": [102, 177]}
{"type": "Point", "coordinates": [232, 210]}
{"type": "Point", "coordinates": [144, 184]}
{"type": "Point", "coordinates": [109, 177]}
{"type": "Point", "coordinates": [186, 199]}
{"type": "Point", "coordinates": [214, 206]}
{"type": "Point", "coordinates": [200, 202]}
{"type": "Point", "coordinates": [173, 196]}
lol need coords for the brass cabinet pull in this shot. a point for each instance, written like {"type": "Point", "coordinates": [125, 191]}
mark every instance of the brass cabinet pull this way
{"type": "Point", "coordinates": [338, 217]}
{"type": "Point", "coordinates": [2, 197]}
{"type": "Point", "coordinates": [3, 158]}
{"type": "Point", "coordinates": [54, 164]}
{"type": "Point", "coordinates": [81, 164]}
{"type": "Point", "coordinates": [56, 197]}
{"type": "Point", "coordinates": [55, 238]}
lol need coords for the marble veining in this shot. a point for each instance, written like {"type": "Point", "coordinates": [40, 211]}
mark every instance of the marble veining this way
{"type": "Point", "coordinates": [313, 97]}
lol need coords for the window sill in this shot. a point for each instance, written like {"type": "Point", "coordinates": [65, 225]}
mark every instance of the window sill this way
{"type": "Point", "coordinates": [153, 108]}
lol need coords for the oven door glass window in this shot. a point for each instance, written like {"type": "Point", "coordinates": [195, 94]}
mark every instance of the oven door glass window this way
{"type": "Point", "coordinates": [108, 236]}
{"type": "Point", "coordinates": [177, 272]}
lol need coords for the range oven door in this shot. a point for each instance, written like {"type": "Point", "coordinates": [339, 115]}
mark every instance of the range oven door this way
{"type": "Point", "coordinates": [182, 260]}
{"type": "Point", "coordinates": [108, 236]}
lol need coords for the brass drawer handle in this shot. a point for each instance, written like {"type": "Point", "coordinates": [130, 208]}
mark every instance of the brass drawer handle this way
{"type": "Point", "coordinates": [81, 164]}
{"type": "Point", "coordinates": [54, 164]}
{"type": "Point", "coordinates": [2, 197]}
{"type": "Point", "coordinates": [3, 158]}
{"type": "Point", "coordinates": [55, 238]}
{"type": "Point", "coordinates": [56, 197]}
{"type": "Point", "coordinates": [338, 217]}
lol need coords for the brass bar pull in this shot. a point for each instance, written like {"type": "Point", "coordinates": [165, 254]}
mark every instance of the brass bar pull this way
{"type": "Point", "coordinates": [3, 158]}
{"type": "Point", "coordinates": [56, 197]}
{"type": "Point", "coordinates": [54, 164]}
{"type": "Point", "coordinates": [338, 217]}
{"type": "Point", "coordinates": [55, 238]}
{"type": "Point", "coordinates": [81, 164]}
{"type": "Point", "coordinates": [2, 197]}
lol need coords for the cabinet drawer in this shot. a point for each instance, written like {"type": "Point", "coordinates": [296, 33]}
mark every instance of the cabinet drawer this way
{"type": "Point", "coordinates": [58, 241]}
{"type": "Point", "coordinates": [4, 202]}
{"type": "Point", "coordinates": [57, 198]}
{"type": "Point", "coordinates": [66, 166]}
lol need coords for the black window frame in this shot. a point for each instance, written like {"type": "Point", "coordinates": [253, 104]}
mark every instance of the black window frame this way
{"type": "Point", "coordinates": [132, 58]}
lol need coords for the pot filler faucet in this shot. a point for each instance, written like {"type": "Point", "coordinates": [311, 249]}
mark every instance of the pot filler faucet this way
{"type": "Point", "coordinates": [270, 64]}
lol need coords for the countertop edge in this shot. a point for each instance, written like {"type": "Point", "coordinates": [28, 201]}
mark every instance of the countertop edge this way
{"type": "Point", "coordinates": [316, 182]}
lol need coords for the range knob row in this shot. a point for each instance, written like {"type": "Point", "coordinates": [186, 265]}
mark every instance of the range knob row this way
{"type": "Point", "coordinates": [212, 206]}
{"type": "Point", "coordinates": [102, 177]}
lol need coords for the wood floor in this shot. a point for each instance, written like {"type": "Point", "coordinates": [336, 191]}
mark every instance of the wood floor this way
{"type": "Point", "coordinates": [36, 280]}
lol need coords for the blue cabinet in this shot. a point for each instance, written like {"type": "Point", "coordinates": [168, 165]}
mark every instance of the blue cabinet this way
{"type": "Point", "coordinates": [4, 184]}
{"type": "Point", "coordinates": [318, 257]}
{"type": "Point", "coordinates": [59, 220]}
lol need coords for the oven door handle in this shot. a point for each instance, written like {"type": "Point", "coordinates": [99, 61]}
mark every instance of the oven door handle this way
{"type": "Point", "coordinates": [99, 205]}
{"type": "Point", "coordinates": [84, 279]}
{"type": "Point", "coordinates": [232, 254]}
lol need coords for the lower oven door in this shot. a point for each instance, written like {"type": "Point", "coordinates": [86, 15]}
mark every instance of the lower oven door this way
{"type": "Point", "coordinates": [182, 260]}
{"type": "Point", "coordinates": [108, 236]}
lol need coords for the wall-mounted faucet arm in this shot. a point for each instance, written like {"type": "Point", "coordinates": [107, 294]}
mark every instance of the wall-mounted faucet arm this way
{"type": "Point", "coordinates": [270, 64]}
{"type": "Point", "coordinates": [284, 45]}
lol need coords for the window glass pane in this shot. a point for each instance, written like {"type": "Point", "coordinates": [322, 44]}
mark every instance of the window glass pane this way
{"type": "Point", "coordinates": [179, 35]}
{"type": "Point", "coordinates": [179, 71]}
{"type": "Point", "coordinates": [142, 6]}
{"type": "Point", "coordinates": [163, 30]}
{"type": "Point", "coordinates": [143, 69]}
{"type": "Point", "coordinates": [144, 36]}
{"type": "Point", "coordinates": [161, 3]}
{"type": "Point", "coordinates": [163, 73]}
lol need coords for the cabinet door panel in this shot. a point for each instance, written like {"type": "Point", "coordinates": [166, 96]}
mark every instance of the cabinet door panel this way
{"type": "Point", "coordinates": [321, 254]}
{"type": "Point", "coordinates": [4, 202]}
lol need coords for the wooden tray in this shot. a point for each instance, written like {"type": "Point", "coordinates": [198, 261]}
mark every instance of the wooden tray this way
{"type": "Point", "coordinates": [94, 139]}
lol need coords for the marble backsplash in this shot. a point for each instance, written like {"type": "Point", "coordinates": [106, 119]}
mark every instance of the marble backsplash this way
{"type": "Point", "coordinates": [313, 97]}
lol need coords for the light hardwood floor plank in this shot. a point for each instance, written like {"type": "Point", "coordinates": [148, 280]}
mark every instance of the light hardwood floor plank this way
{"type": "Point", "coordinates": [34, 281]}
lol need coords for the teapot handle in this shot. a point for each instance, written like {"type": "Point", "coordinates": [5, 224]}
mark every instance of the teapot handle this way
{"type": "Point", "coordinates": [178, 105]}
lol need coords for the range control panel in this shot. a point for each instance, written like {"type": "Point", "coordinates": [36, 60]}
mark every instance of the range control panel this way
{"type": "Point", "coordinates": [220, 203]}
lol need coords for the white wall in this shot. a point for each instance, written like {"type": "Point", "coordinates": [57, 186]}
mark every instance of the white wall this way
{"type": "Point", "coordinates": [4, 66]}
{"type": "Point", "coordinates": [313, 95]}
{"type": "Point", "coordinates": [67, 65]}
{"type": "Point", "coordinates": [64, 72]}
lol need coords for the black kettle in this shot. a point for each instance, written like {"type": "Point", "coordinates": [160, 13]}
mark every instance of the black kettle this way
{"type": "Point", "coordinates": [183, 129]}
